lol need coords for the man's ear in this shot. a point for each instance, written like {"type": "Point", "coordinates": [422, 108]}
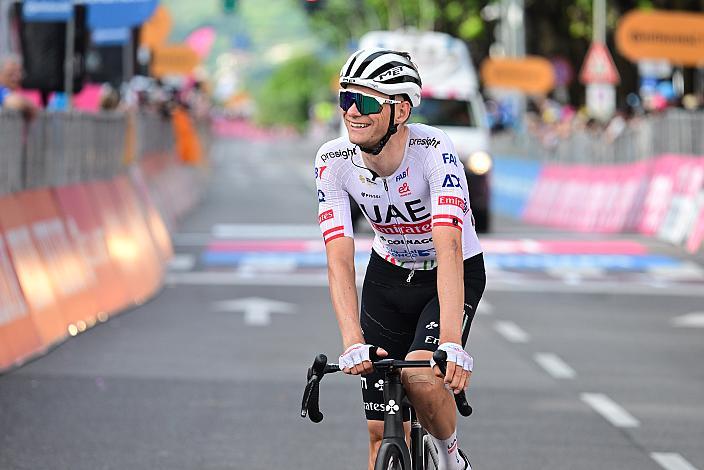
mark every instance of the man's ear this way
{"type": "Point", "coordinates": [403, 112]}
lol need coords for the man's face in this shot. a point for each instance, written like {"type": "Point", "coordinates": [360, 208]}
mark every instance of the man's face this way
{"type": "Point", "coordinates": [11, 75]}
{"type": "Point", "coordinates": [366, 130]}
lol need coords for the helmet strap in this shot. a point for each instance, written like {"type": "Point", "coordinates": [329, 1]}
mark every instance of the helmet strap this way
{"type": "Point", "coordinates": [376, 150]}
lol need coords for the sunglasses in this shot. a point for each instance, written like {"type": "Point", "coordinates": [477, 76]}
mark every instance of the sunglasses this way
{"type": "Point", "coordinates": [366, 104]}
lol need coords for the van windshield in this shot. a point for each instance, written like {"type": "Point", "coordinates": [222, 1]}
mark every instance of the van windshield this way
{"type": "Point", "coordinates": [437, 112]}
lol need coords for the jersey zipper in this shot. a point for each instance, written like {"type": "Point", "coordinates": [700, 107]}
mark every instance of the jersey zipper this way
{"type": "Point", "coordinates": [403, 235]}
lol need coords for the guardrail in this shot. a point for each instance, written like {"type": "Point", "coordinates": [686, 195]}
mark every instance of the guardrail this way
{"type": "Point", "coordinates": [57, 149]}
{"type": "Point", "coordinates": [674, 131]}
{"type": "Point", "coordinates": [85, 205]}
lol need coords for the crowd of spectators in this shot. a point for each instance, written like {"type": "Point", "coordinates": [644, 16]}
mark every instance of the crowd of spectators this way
{"type": "Point", "coordinates": [551, 122]}
{"type": "Point", "coordinates": [11, 96]}
{"type": "Point", "coordinates": [143, 93]}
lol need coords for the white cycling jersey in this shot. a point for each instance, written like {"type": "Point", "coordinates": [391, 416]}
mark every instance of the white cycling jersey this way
{"type": "Point", "coordinates": [428, 189]}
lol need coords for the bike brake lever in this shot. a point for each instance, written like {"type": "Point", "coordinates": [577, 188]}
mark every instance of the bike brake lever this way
{"type": "Point", "coordinates": [465, 409]}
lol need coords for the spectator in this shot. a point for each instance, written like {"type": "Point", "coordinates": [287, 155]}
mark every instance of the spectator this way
{"type": "Point", "coordinates": [10, 85]}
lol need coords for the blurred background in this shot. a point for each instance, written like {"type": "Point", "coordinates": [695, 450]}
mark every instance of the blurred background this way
{"type": "Point", "coordinates": [163, 283]}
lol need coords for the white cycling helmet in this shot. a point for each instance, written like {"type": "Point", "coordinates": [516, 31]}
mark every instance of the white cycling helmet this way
{"type": "Point", "coordinates": [390, 72]}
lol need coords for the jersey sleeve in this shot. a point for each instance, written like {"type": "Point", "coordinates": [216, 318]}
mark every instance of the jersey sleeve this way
{"type": "Point", "coordinates": [334, 215]}
{"type": "Point", "coordinates": [448, 184]}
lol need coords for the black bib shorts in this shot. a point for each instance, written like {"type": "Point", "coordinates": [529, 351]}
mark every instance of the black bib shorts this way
{"type": "Point", "coordinates": [402, 316]}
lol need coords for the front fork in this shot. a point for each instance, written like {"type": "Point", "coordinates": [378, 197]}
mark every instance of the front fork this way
{"type": "Point", "coordinates": [394, 434]}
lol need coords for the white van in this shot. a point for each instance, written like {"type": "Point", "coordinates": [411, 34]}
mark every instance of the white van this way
{"type": "Point", "coordinates": [450, 101]}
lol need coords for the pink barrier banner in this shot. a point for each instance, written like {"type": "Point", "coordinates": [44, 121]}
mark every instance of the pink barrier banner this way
{"type": "Point", "coordinates": [671, 175]}
{"type": "Point", "coordinates": [696, 235]}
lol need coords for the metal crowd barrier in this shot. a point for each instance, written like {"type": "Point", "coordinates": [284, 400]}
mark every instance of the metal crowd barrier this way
{"type": "Point", "coordinates": [56, 149]}
{"type": "Point", "coordinates": [11, 145]}
{"type": "Point", "coordinates": [68, 148]}
{"type": "Point", "coordinates": [675, 131]}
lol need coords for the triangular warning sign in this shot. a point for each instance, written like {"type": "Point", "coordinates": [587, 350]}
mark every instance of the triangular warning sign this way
{"type": "Point", "coordinates": [599, 67]}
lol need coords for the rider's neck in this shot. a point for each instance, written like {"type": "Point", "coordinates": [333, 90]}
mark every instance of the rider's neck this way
{"type": "Point", "coordinates": [389, 159]}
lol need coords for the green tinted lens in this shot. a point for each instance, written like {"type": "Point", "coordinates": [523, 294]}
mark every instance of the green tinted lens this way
{"type": "Point", "coordinates": [367, 104]}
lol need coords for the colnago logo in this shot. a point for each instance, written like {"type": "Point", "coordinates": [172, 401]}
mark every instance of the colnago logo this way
{"type": "Point", "coordinates": [371, 196]}
{"type": "Point", "coordinates": [344, 154]}
{"type": "Point", "coordinates": [327, 215]}
{"type": "Point", "coordinates": [452, 201]}
{"type": "Point", "coordinates": [379, 385]}
{"type": "Point", "coordinates": [392, 407]}
{"type": "Point", "coordinates": [370, 406]}
{"type": "Point", "coordinates": [424, 142]}
{"type": "Point", "coordinates": [422, 241]}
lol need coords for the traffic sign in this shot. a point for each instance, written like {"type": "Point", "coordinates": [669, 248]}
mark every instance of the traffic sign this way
{"type": "Point", "coordinates": [598, 66]}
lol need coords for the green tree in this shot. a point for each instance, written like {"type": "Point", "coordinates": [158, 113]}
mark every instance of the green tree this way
{"type": "Point", "coordinates": [288, 95]}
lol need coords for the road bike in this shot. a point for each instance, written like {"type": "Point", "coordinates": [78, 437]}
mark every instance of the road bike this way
{"type": "Point", "coordinates": [393, 453]}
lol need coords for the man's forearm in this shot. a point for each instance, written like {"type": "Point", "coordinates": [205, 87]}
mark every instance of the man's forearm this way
{"type": "Point", "coordinates": [343, 292]}
{"type": "Point", "coordinates": [451, 293]}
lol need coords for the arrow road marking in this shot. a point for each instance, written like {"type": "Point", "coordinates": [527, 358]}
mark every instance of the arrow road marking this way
{"type": "Point", "coordinates": [257, 311]}
{"type": "Point", "coordinates": [691, 320]}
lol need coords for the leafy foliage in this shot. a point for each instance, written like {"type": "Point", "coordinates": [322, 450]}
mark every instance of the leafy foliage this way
{"type": "Point", "coordinates": [288, 94]}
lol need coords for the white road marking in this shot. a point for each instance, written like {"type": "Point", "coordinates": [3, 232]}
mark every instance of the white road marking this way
{"type": "Point", "coordinates": [485, 308]}
{"type": "Point", "coordinates": [182, 262]}
{"type": "Point", "coordinates": [691, 320]}
{"type": "Point", "coordinates": [257, 312]}
{"type": "Point", "coordinates": [555, 366]}
{"type": "Point", "coordinates": [610, 410]}
{"type": "Point", "coordinates": [687, 270]}
{"type": "Point", "coordinates": [672, 461]}
{"type": "Point", "coordinates": [518, 285]}
{"type": "Point", "coordinates": [511, 332]}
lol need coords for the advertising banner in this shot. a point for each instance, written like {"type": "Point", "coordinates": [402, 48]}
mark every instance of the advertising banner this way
{"type": "Point", "coordinates": [85, 230]}
{"type": "Point", "coordinates": [31, 276]}
{"type": "Point", "coordinates": [71, 275]}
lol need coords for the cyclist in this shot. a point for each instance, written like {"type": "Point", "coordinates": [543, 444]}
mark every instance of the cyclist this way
{"type": "Point", "coordinates": [426, 272]}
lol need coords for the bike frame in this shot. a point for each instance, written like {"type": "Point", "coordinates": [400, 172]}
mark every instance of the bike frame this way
{"type": "Point", "coordinates": [394, 436]}
{"type": "Point", "coordinates": [394, 433]}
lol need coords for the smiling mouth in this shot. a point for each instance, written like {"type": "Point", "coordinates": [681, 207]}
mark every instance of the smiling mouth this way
{"type": "Point", "coordinates": [358, 125]}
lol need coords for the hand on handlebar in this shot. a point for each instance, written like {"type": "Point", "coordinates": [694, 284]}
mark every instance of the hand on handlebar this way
{"type": "Point", "coordinates": [459, 367]}
{"type": "Point", "coordinates": [356, 359]}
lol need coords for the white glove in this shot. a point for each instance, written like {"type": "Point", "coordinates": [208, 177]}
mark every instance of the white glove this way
{"type": "Point", "coordinates": [355, 354]}
{"type": "Point", "coordinates": [457, 354]}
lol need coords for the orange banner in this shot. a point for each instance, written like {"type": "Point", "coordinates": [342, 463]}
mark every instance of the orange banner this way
{"type": "Point", "coordinates": [531, 74]}
{"type": "Point", "coordinates": [72, 277]}
{"type": "Point", "coordinates": [675, 36]}
{"type": "Point", "coordinates": [31, 276]}
{"type": "Point", "coordinates": [84, 227]}
{"type": "Point", "coordinates": [174, 59]}
{"type": "Point", "coordinates": [19, 338]}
